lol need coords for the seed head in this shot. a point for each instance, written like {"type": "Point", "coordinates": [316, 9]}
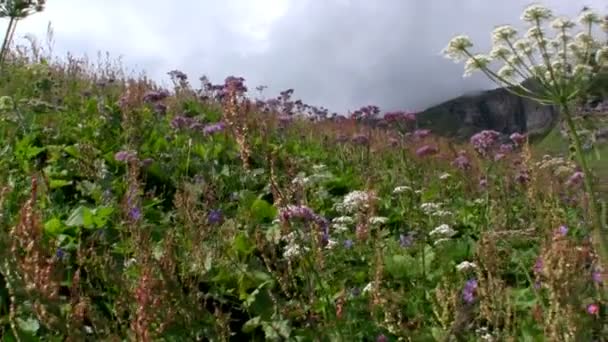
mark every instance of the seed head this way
{"type": "Point", "coordinates": [457, 47]}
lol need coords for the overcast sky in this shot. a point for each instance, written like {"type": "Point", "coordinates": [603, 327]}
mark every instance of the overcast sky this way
{"type": "Point", "coordinates": [341, 54]}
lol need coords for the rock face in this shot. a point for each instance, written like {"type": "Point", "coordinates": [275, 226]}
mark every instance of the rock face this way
{"type": "Point", "coordinates": [496, 109]}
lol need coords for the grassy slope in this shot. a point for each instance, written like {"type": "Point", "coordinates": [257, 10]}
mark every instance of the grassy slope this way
{"type": "Point", "coordinates": [554, 144]}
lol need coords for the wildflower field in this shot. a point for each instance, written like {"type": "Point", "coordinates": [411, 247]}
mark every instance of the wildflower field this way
{"type": "Point", "coordinates": [200, 213]}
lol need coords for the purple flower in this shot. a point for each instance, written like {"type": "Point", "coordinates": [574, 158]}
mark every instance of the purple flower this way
{"type": "Point", "coordinates": [484, 140]}
{"type": "Point", "coordinates": [505, 148]}
{"type": "Point", "coordinates": [348, 244]}
{"type": "Point", "coordinates": [381, 338]}
{"type": "Point", "coordinates": [124, 156]}
{"type": "Point", "coordinates": [597, 277]}
{"type": "Point", "coordinates": [538, 265]}
{"type": "Point", "coordinates": [462, 161]}
{"type": "Point", "coordinates": [213, 128]}
{"type": "Point", "coordinates": [483, 182]}
{"type": "Point", "coordinates": [426, 150]}
{"type": "Point", "coordinates": [468, 292]}
{"type": "Point", "coordinates": [360, 139]}
{"type": "Point", "coordinates": [214, 217]}
{"type": "Point", "coordinates": [135, 213]}
{"type": "Point", "coordinates": [406, 240]}
{"type": "Point", "coordinates": [181, 122]}
{"type": "Point", "coordinates": [499, 156]}
{"type": "Point", "coordinates": [575, 179]}
{"type": "Point", "coordinates": [421, 133]}
{"type": "Point", "coordinates": [147, 162]}
{"type": "Point", "coordinates": [523, 176]}
{"type": "Point", "coordinates": [562, 231]}
{"type": "Point", "coordinates": [593, 309]}
{"type": "Point", "coordinates": [155, 96]}
{"type": "Point", "coordinates": [60, 253]}
{"type": "Point", "coordinates": [160, 108]}
{"type": "Point", "coordinates": [518, 138]}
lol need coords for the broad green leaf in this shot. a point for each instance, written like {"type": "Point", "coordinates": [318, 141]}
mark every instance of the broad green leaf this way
{"type": "Point", "coordinates": [262, 210]}
{"type": "Point", "coordinates": [53, 226]}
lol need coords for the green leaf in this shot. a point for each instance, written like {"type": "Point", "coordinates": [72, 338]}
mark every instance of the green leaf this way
{"type": "Point", "coordinates": [53, 227]}
{"type": "Point", "coordinates": [59, 183]}
{"type": "Point", "coordinates": [263, 211]}
{"type": "Point", "coordinates": [252, 324]}
{"type": "Point", "coordinates": [30, 325]}
{"type": "Point", "coordinates": [80, 217]}
{"type": "Point", "coordinates": [242, 245]}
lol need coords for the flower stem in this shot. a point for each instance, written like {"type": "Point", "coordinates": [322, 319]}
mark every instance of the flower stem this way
{"type": "Point", "coordinates": [7, 36]}
{"type": "Point", "coordinates": [600, 240]}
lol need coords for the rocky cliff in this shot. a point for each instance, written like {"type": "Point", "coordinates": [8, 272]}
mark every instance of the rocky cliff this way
{"type": "Point", "coordinates": [494, 109]}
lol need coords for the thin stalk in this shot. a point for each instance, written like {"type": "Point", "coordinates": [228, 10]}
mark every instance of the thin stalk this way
{"type": "Point", "coordinates": [600, 241]}
{"type": "Point", "coordinates": [12, 22]}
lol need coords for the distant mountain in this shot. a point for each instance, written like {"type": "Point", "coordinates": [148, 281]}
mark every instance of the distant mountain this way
{"type": "Point", "coordinates": [499, 110]}
{"type": "Point", "coordinates": [495, 109]}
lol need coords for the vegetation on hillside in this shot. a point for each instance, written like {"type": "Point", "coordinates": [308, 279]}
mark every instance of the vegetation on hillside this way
{"type": "Point", "coordinates": [130, 212]}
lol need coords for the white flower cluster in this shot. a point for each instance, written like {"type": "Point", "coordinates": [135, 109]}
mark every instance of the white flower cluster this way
{"type": "Point", "coordinates": [504, 33]}
{"type": "Point", "coordinates": [445, 176]}
{"type": "Point", "coordinates": [377, 220]}
{"type": "Point", "coordinates": [476, 63]}
{"type": "Point", "coordinates": [589, 17]}
{"type": "Point", "coordinates": [355, 201]}
{"type": "Point", "coordinates": [457, 48]}
{"type": "Point", "coordinates": [293, 250]}
{"type": "Point", "coordinates": [465, 266]}
{"type": "Point", "coordinates": [443, 231]}
{"type": "Point", "coordinates": [562, 24]}
{"type": "Point", "coordinates": [601, 57]}
{"type": "Point", "coordinates": [401, 189]}
{"type": "Point", "coordinates": [536, 13]}
{"type": "Point", "coordinates": [434, 209]}
{"type": "Point", "coordinates": [341, 224]}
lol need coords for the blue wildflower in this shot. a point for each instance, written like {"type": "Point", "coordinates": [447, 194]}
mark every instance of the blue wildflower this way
{"type": "Point", "coordinates": [215, 217]}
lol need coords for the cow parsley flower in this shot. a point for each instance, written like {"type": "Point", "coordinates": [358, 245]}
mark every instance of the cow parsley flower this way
{"type": "Point", "coordinates": [601, 56]}
{"type": "Point", "coordinates": [506, 72]}
{"type": "Point", "coordinates": [354, 201]}
{"type": "Point", "coordinates": [457, 47]}
{"type": "Point", "coordinates": [378, 220]}
{"type": "Point", "coordinates": [443, 231]}
{"type": "Point", "coordinates": [534, 13]}
{"type": "Point", "coordinates": [401, 189]}
{"type": "Point", "coordinates": [562, 24]}
{"type": "Point", "coordinates": [500, 52]}
{"type": "Point", "coordinates": [465, 266]}
{"type": "Point", "coordinates": [523, 46]}
{"type": "Point", "coordinates": [430, 208]}
{"type": "Point", "coordinates": [503, 33]}
{"type": "Point", "coordinates": [589, 17]}
{"type": "Point", "coordinates": [476, 63]}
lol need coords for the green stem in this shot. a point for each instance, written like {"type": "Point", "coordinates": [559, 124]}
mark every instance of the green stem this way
{"type": "Point", "coordinates": [600, 240]}
{"type": "Point", "coordinates": [7, 36]}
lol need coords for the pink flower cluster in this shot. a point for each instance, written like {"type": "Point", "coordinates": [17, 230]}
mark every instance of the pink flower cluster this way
{"type": "Point", "coordinates": [484, 141]}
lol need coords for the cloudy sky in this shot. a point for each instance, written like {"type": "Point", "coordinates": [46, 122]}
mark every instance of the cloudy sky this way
{"type": "Point", "coordinates": [341, 54]}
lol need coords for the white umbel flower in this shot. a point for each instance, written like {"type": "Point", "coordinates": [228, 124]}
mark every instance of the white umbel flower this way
{"type": "Point", "coordinates": [401, 189]}
{"type": "Point", "coordinates": [443, 231]}
{"type": "Point", "coordinates": [476, 63]}
{"type": "Point", "coordinates": [294, 250]}
{"type": "Point", "coordinates": [465, 266]}
{"type": "Point", "coordinates": [506, 72]}
{"type": "Point", "coordinates": [456, 48]}
{"type": "Point", "coordinates": [429, 208]}
{"type": "Point", "coordinates": [377, 220]}
{"type": "Point", "coordinates": [562, 24]}
{"type": "Point", "coordinates": [534, 13]}
{"type": "Point", "coordinates": [534, 33]}
{"type": "Point", "coordinates": [368, 287]}
{"type": "Point", "coordinates": [331, 244]}
{"type": "Point", "coordinates": [500, 52]}
{"type": "Point", "coordinates": [445, 176]}
{"type": "Point", "coordinates": [503, 33]}
{"type": "Point", "coordinates": [355, 200]}
{"type": "Point", "coordinates": [601, 56]}
{"type": "Point", "coordinates": [523, 46]}
{"type": "Point", "coordinates": [589, 17]}
{"type": "Point", "coordinates": [343, 220]}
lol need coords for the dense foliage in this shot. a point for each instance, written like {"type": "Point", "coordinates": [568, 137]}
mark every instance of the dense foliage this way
{"type": "Point", "coordinates": [130, 212]}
